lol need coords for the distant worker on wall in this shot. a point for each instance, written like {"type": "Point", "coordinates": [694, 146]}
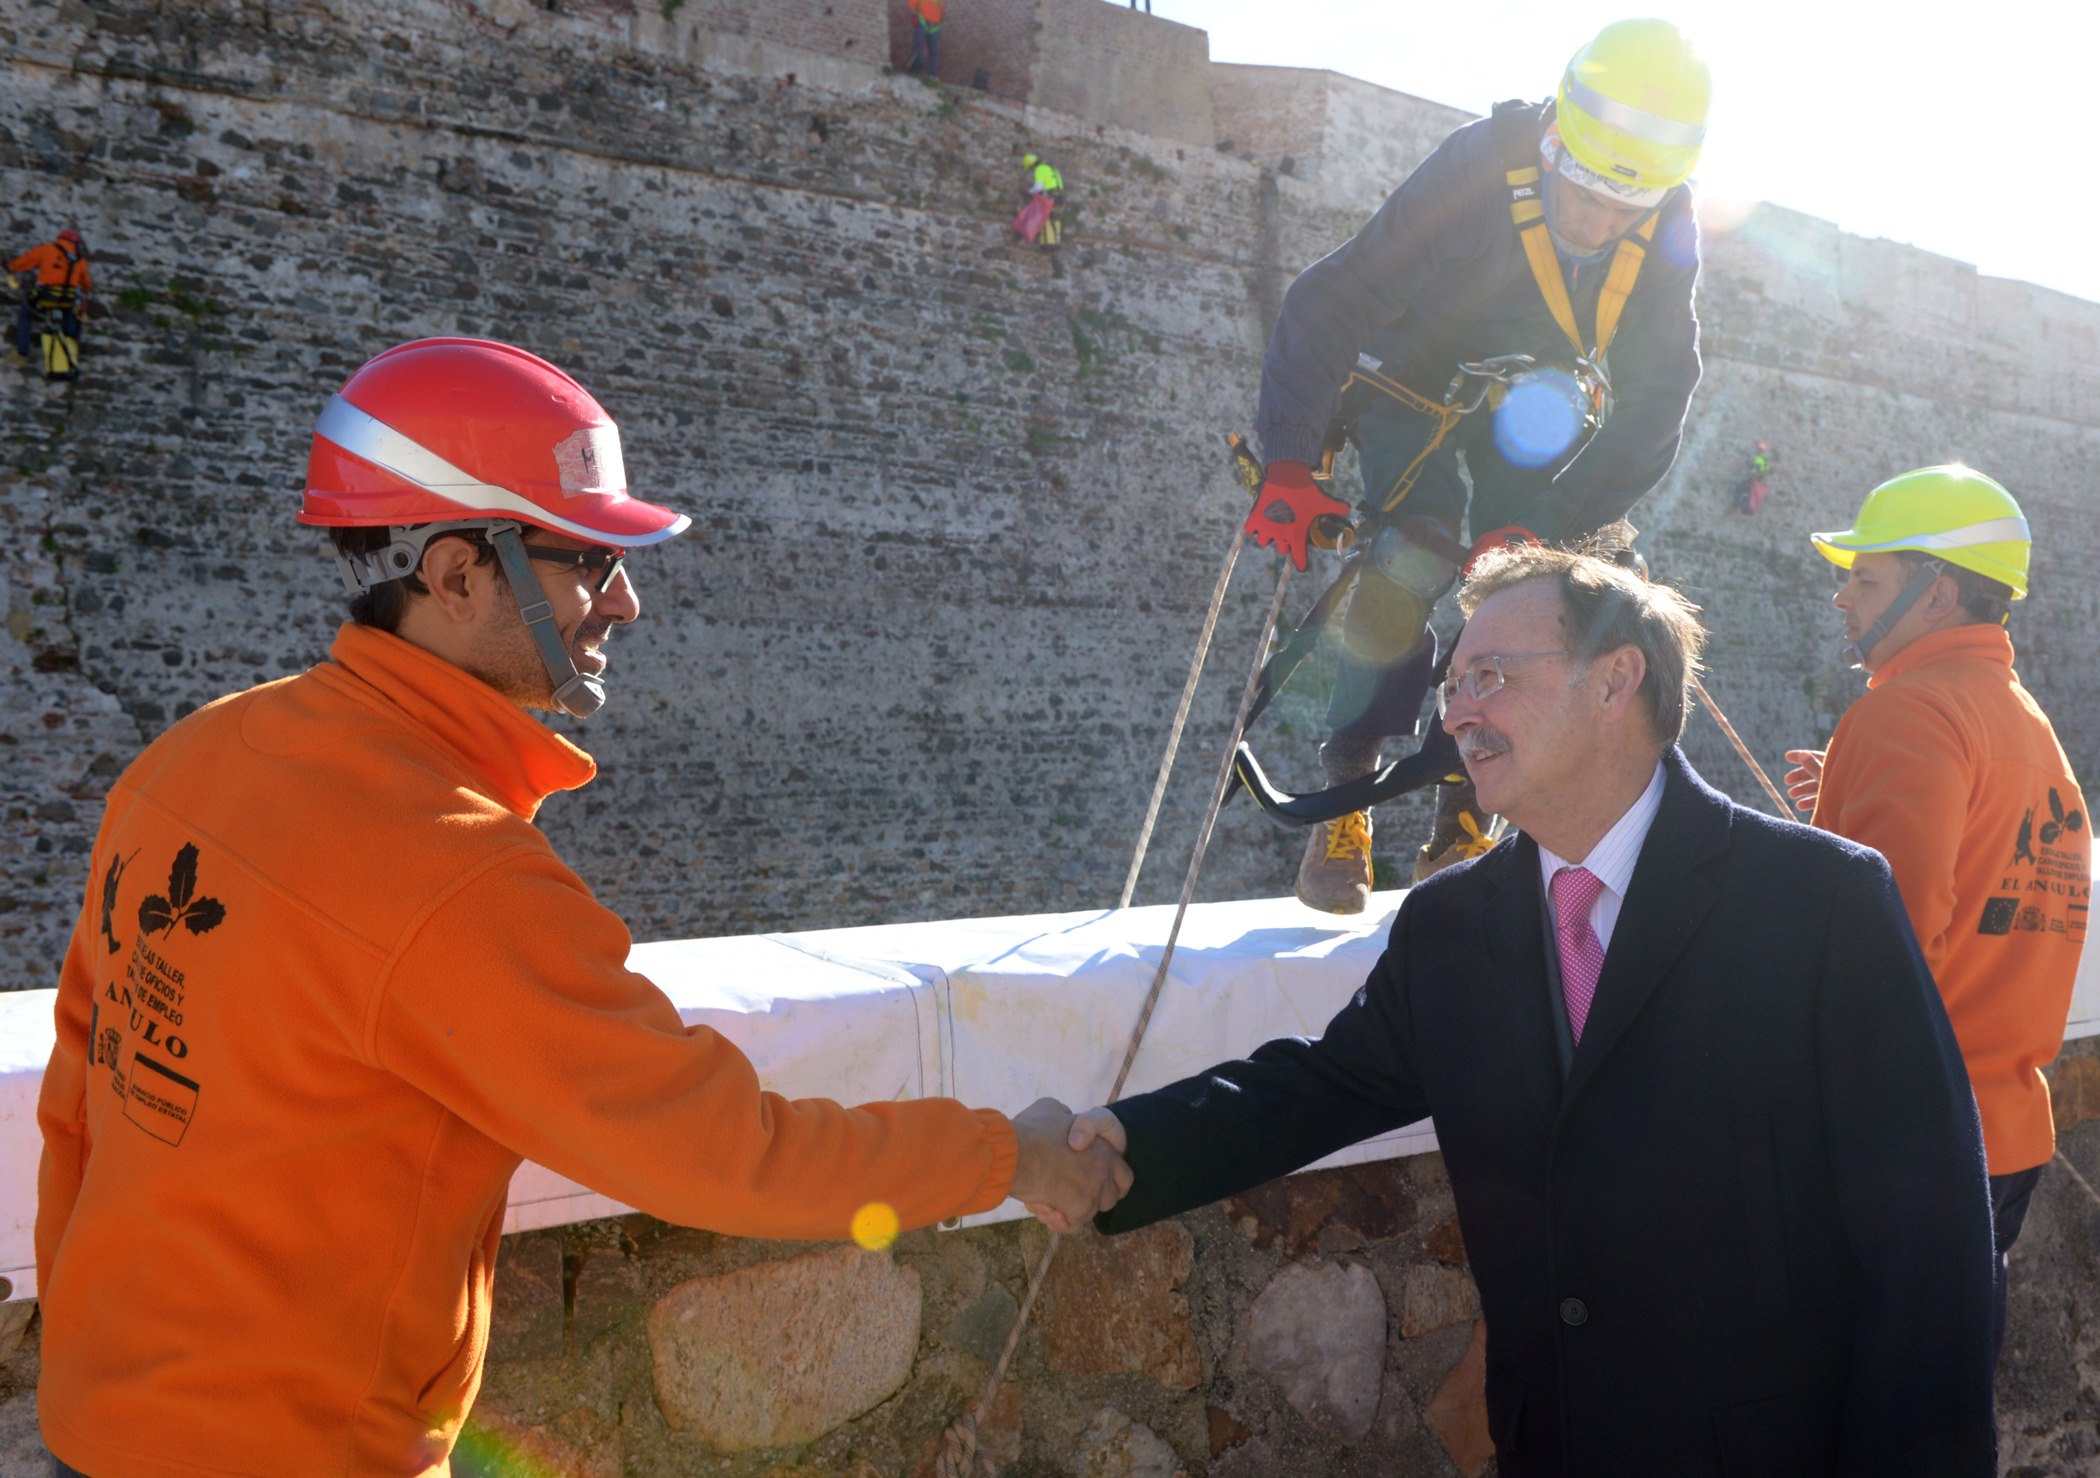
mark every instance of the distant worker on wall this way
{"type": "Point", "coordinates": [1948, 768]}
{"type": "Point", "coordinates": [55, 299]}
{"type": "Point", "coordinates": [1757, 484]}
{"type": "Point", "coordinates": [331, 983]}
{"type": "Point", "coordinates": [1043, 191]}
{"type": "Point", "coordinates": [925, 37]}
{"type": "Point", "coordinates": [1562, 231]}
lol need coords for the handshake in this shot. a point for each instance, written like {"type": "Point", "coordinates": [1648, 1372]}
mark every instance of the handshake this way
{"type": "Point", "coordinates": [1070, 1167]}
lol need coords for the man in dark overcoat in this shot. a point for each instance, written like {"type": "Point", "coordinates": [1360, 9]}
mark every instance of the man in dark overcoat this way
{"type": "Point", "coordinates": [1714, 1153]}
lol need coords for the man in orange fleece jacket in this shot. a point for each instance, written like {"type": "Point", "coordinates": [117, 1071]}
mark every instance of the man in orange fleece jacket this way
{"type": "Point", "coordinates": [1949, 769]}
{"type": "Point", "coordinates": [330, 984]}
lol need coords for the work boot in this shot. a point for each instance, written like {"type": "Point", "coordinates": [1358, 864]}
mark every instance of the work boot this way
{"type": "Point", "coordinates": [1335, 876]}
{"type": "Point", "coordinates": [1459, 831]}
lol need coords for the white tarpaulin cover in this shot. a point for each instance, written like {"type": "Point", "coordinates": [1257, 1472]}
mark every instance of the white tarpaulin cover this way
{"type": "Point", "coordinates": [996, 1012]}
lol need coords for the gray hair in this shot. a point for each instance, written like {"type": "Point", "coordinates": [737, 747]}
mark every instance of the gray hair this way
{"type": "Point", "coordinates": [1604, 606]}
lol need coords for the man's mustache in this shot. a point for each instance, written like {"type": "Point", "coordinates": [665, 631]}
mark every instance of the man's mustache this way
{"type": "Point", "coordinates": [1480, 744]}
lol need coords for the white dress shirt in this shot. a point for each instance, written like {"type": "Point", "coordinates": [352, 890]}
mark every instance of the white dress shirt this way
{"type": "Point", "coordinates": [1611, 860]}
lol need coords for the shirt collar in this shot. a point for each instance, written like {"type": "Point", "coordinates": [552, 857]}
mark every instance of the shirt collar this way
{"type": "Point", "coordinates": [1974, 639]}
{"type": "Point", "coordinates": [517, 760]}
{"type": "Point", "coordinates": [1612, 859]}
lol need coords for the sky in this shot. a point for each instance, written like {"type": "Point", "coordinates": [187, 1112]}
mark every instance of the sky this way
{"type": "Point", "coordinates": [1961, 129]}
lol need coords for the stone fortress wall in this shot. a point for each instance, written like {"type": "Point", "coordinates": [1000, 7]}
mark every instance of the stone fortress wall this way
{"type": "Point", "coordinates": [956, 516]}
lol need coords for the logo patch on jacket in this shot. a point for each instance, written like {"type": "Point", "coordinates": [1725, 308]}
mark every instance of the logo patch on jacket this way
{"type": "Point", "coordinates": [158, 915]}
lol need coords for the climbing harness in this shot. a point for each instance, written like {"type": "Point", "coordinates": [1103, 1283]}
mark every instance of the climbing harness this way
{"type": "Point", "coordinates": [1418, 554]}
{"type": "Point", "coordinates": [49, 307]}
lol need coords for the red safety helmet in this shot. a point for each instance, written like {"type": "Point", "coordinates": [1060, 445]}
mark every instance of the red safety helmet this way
{"type": "Point", "coordinates": [69, 235]}
{"type": "Point", "coordinates": [443, 430]}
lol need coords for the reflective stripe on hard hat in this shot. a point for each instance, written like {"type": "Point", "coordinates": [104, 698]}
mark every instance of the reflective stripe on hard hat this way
{"type": "Point", "coordinates": [1653, 127]}
{"type": "Point", "coordinates": [365, 436]}
{"type": "Point", "coordinates": [1996, 531]}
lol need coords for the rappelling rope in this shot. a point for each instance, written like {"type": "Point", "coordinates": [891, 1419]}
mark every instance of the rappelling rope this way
{"type": "Point", "coordinates": [959, 1456]}
{"type": "Point", "coordinates": [1181, 714]}
{"type": "Point", "coordinates": [1699, 691]}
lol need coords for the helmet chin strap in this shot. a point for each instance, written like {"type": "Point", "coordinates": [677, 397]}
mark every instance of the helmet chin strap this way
{"type": "Point", "coordinates": [1855, 653]}
{"type": "Point", "coordinates": [573, 692]}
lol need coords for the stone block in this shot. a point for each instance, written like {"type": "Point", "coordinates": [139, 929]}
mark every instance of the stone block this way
{"type": "Point", "coordinates": [1226, 1430]}
{"type": "Point", "coordinates": [15, 1319]}
{"type": "Point", "coordinates": [1435, 1297]}
{"type": "Point", "coordinates": [610, 1290]}
{"type": "Point", "coordinates": [1458, 1410]}
{"type": "Point", "coordinates": [784, 1352]}
{"type": "Point", "coordinates": [578, 1444]}
{"type": "Point", "coordinates": [2074, 1091]}
{"type": "Point", "coordinates": [1109, 1307]}
{"type": "Point", "coordinates": [1318, 1332]}
{"type": "Point", "coordinates": [1446, 1243]}
{"type": "Point", "coordinates": [1351, 1205]}
{"type": "Point", "coordinates": [526, 1317]}
{"type": "Point", "coordinates": [981, 1329]}
{"type": "Point", "coordinates": [1114, 1446]}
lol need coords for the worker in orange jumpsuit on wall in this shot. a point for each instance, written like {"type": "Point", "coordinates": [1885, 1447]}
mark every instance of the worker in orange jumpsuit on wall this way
{"type": "Point", "coordinates": [62, 285]}
{"type": "Point", "coordinates": [926, 18]}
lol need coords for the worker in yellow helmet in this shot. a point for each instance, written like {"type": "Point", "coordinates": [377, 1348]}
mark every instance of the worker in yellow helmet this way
{"type": "Point", "coordinates": [1560, 231]}
{"type": "Point", "coordinates": [1950, 769]}
{"type": "Point", "coordinates": [1042, 195]}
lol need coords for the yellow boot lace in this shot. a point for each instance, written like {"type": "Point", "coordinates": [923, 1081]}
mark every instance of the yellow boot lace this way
{"type": "Point", "coordinates": [1477, 841]}
{"type": "Point", "coordinates": [1349, 838]}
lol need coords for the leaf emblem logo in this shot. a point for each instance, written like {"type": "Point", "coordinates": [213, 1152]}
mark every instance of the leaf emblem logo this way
{"type": "Point", "coordinates": [160, 915]}
{"type": "Point", "coordinates": [2060, 822]}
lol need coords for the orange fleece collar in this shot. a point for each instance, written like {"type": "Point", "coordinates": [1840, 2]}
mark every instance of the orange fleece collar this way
{"type": "Point", "coordinates": [1990, 642]}
{"type": "Point", "coordinates": [519, 761]}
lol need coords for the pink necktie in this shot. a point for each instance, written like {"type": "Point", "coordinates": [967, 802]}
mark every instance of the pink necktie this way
{"type": "Point", "coordinates": [1575, 891]}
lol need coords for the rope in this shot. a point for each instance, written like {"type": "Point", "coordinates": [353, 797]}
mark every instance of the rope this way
{"type": "Point", "coordinates": [1699, 689]}
{"type": "Point", "coordinates": [959, 1456]}
{"type": "Point", "coordinates": [1181, 714]}
{"type": "Point", "coordinates": [2083, 1184]}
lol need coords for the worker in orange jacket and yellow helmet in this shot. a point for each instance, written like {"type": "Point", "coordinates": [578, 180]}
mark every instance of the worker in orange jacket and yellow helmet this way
{"type": "Point", "coordinates": [1950, 769]}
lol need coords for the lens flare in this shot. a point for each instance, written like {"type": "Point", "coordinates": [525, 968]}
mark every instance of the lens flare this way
{"type": "Point", "coordinates": [875, 1226]}
{"type": "Point", "coordinates": [1540, 419]}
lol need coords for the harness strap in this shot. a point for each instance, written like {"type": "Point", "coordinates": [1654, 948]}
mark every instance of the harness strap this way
{"type": "Point", "coordinates": [1618, 282]}
{"type": "Point", "coordinates": [1446, 416]}
{"type": "Point", "coordinates": [1527, 209]}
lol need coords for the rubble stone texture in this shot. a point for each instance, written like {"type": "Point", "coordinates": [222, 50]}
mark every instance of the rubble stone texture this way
{"type": "Point", "coordinates": [1109, 1306]}
{"type": "Point", "coordinates": [1435, 1297]}
{"type": "Point", "coordinates": [1458, 1410]}
{"type": "Point", "coordinates": [957, 514]}
{"type": "Point", "coordinates": [1318, 1332]}
{"type": "Point", "coordinates": [784, 1351]}
{"type": "Point", "coordinates": [1114, 1446]}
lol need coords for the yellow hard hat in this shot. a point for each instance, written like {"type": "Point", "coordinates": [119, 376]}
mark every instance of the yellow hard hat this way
{"type": "Point", "coordinates": [1633, 104]}
{"type": "Point", "coordinates": [1953, 513]}
{"type": "Point", "coordinates": [1028, 161]}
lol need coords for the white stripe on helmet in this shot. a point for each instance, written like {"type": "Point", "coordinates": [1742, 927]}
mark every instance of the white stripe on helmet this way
{"type": "Point", "coordinates": [1626, 118]}
{"type": "Point", "coordinates": [364, 435]}
{"type": "Point", "coordinates": [2010, 530]}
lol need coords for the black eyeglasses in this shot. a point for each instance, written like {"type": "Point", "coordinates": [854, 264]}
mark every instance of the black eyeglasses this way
{"type": "Point", "coordinates": [605, 563]}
